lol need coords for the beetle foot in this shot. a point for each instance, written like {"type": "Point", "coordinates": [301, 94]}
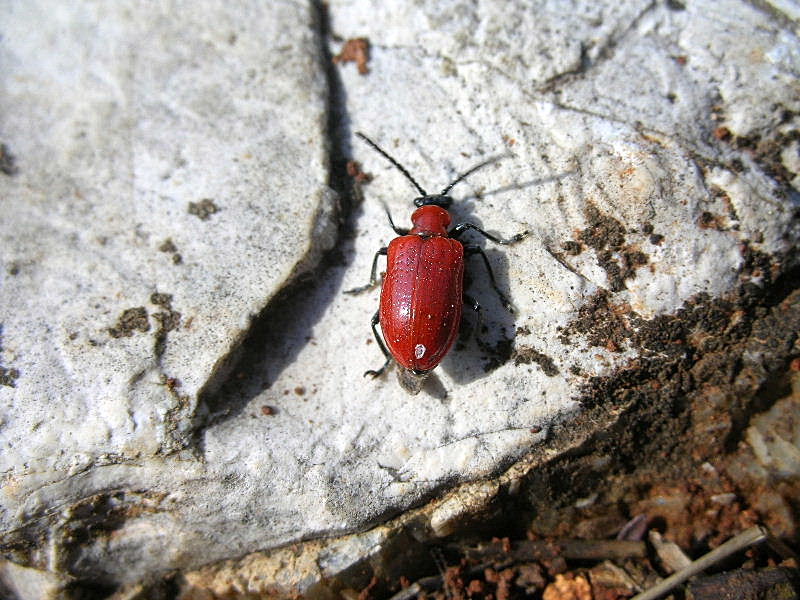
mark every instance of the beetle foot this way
{"type": "Point", "coordinates": [513, 239]}
{"type": "Point", "coordinates": [519, 237]}
{"type": "Point", "coordinates": [362, 288]}
{"type": "Point", "coordinates": [382, 370]}
{"type": "Point", "coordinates": [378, 373]}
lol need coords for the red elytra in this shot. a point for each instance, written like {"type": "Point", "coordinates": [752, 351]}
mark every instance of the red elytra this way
{"type": "Point", "coordinates": [421, 298]}
{"type": "Point", "coordinates": [422, 293]}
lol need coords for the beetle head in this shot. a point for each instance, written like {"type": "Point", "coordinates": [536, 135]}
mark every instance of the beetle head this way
{"type": "Point", "coordinates": [441, 200]}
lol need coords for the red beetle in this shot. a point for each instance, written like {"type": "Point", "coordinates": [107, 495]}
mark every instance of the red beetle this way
{"type": "Point", "coordinates": [420, 309]}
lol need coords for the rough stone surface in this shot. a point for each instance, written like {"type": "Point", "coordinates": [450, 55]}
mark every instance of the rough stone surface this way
{"type": "Point", "coordinates": [24, 582]}
{"type": "Point", "coordinates": [168, 181]}
{"type": "Point", "coordinates": [153, 210]}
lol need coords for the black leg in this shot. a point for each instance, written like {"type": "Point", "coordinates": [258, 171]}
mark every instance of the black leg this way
{"type": "Point", "coordinates": [373, 278]}
{"type": "Point", "coordinates": [375, 320]}
{"type": "Point", "coordinates": [462, 227]}
{"type": "Point", "coordinates": [469, 251]}
{"type": "Point", "coordinates": [397, 230]}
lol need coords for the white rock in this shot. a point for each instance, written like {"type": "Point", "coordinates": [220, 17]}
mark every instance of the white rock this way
{"type": "Point", "coordinates": [119, 118]}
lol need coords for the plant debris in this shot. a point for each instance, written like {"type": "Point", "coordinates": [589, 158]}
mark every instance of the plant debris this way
{"type": "Point", "coordinates": [355, 50]}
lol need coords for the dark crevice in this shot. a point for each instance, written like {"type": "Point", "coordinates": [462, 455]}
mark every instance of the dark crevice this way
{"type": "Point", "coordinates": [288, 315]}
{"type": "Point", "coordinates": [605, 53]}
{"type": "Point", "coordinates": [292, 313]}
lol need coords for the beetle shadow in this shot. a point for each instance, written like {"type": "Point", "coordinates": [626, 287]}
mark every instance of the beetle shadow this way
{"type": "Point", "coordinates": [485, 339]}
{"type": "Point", "coordinates": [515, 187]}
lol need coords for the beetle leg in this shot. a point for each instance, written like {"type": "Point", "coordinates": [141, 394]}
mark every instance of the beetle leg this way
{"type": "Point", "coordinates": [462, 227]}
{"type": "Point", "coordinates": [373, 279]}
{"type": "Point", "coordinates": [397, 230]}
{"type": "Point", "coordinates": [375, 319]}
{"type": "Point", "coordinates": [472, 249]}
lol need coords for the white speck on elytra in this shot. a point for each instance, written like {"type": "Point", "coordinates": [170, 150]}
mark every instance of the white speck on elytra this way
{"type": "Point", "coordinates": [419, 350]}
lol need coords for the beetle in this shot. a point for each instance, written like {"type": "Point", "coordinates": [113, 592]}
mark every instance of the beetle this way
{"type": "Point", "coordinates": [422, 291]}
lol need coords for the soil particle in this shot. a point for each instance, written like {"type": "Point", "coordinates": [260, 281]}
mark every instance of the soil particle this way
{"type": "Point", "coordinates": [203, 209]}
{"type": "Point", "coordinates": [502, 580]}
{"type": "Point", "coordinates": [602, 323]}
{"type": "Point", "coordinates": [354, 171]}
{"type": "Point", "coordinates": [131, 319]}
{"type": "Point", "coordinates": [603, 232]}
{"type": "Point", "coordinates": [530, 577]}
{"type": "Point", "coordinates": [8, 164]}
{"type": "Point", "coordinates": [164, 300]}
{"type": "Point", "coordinates": [722, 133]}
{"type": "Point", "coordinates": [710, 221]}
{"type": "Point", "coordinates": [168, 320]}
{"type": "Point", "coordinates": [366, 593]}
{"type": "Point", "coordinates": [498, 353]}
{"type": "Point", "coordinates": [168, 246]}
{"type": "Point", "coordinates": [606, 236]}
{"type": "Point", "coordinates": [476, 587]}
{"type": "Point", "coordinates": [527, 355]}
{"type": "Point", "coordinates": [355, 50]}
{"type": "Point", "coordinates": [566, 587]}
{"type": "Point", "coordinates": [8, 377]}
{"type": "Point", "coordinates": [454, 582]}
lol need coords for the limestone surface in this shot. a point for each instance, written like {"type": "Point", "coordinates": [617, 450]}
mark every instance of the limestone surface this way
{"type": "Point", "coordinates": [175, 393]}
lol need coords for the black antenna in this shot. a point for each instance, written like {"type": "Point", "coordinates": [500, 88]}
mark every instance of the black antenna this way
{"type": "Point", "coordinates": [397, 164]}
{"type": "Point", "coordinates": [470, 172]}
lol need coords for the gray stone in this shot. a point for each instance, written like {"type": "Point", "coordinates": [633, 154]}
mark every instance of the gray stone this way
{"type": "Point", "coordinates": [170, 178]}
{"type": "Point", "coordinates": [632, 163]}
